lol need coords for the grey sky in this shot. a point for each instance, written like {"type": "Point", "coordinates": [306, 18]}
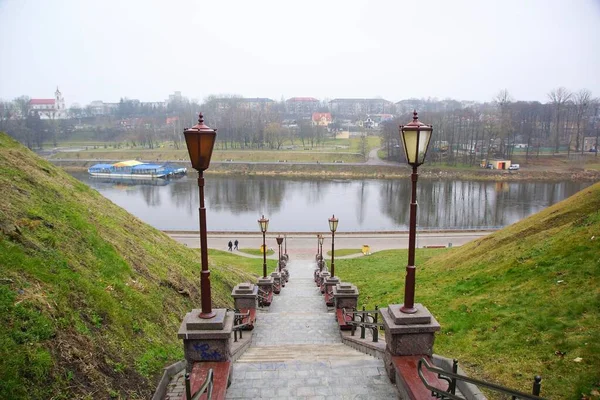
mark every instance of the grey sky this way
{"type": "Point", "coordinates": [468, 50]}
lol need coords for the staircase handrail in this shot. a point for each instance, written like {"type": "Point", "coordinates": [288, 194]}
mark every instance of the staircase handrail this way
{"type": "Point", "coordinates": [207, 386]}
{"type": "Point", "coordinates": [453, 377]}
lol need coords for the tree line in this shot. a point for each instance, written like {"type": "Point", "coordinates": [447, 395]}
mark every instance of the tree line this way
{"type": "Point", "coordinates": [462, 133]}
{"type": "Point", "coordinates": [498, 128]}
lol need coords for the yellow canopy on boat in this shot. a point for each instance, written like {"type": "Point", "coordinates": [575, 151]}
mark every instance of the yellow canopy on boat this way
{"type": "Point", "coordinates": [128, 163]}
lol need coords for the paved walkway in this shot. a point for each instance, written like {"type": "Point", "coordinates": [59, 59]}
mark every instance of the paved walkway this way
{"type": "Point", "coordinates": [297, 353]}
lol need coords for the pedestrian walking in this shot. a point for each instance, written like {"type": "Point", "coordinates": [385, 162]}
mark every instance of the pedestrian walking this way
{"type": "Point", "coordinates": [235, 247]}
{"type": "Point", "coordinates": [229, 245]}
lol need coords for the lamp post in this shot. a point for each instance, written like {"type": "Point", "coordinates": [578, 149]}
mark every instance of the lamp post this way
{"type": "Point", "coordinates": [285, 236]}
{"type": "Point", "coordinates": [415, 137]}
{"type": "Point", "coordinates": [279, 241]}
{"type": "Point", "coordinates": [318, 235]}
{"type": "Point", "coordinates": [333, 223]}
{"type": "Point", "coordinates": [200, 140]}
{"type": "Point", "coordinates": [264, 224]}
{"type": "Point", "coordinates": [321, 238]}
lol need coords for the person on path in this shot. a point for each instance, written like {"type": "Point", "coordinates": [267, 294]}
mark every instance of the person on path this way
{"type": "Point", "coordinates": [229, 245]}
{"type": "Point", "coordinates": [235, 247]}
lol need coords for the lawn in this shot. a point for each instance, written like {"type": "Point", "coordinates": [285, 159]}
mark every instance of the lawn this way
{"type": "Point", "coordinates": [520, 302]}
{"type": "Point", "coordinates": [344, 252]}
{"type": "Point", "coordinates": [256, 252]}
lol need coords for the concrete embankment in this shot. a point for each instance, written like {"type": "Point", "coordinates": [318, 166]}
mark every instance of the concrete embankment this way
{"type": "Point", "coordinates": [355, 170]}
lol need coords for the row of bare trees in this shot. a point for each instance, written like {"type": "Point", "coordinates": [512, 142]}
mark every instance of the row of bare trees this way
{"type": "Point", "coordinates": [496, 129]}
{"type": "Point", "coordinates": [462, 133]}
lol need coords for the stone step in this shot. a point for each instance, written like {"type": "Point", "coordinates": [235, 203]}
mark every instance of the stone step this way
{"type": "Point", "coordinates": [302, 352]}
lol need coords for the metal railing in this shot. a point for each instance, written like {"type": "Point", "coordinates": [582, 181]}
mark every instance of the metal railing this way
{"type": "Point", "coordinates": [263, 296]}
{"type": "Point", "coordinates": [364, 320]}
{"type": "Point", "coordinates": [453, 377]}
{"type": "Point", "coordinates": [207, 387]}
{"type": "Point", "coordinates": [238, 323]}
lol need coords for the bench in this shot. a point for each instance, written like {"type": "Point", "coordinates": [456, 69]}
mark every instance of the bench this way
{"type": "Point", "coordinates": [343, 319]}
{"type": "Point", "coordinates": [408, 381]}
{"type": "Point", "coordinates": [246, 316]}
{"type": "Point", "coordinates": [221, 371]}
{"type": "Point", "coordinates": [328, 298]}
{"type": "Point", "coordinates": [264, 298]}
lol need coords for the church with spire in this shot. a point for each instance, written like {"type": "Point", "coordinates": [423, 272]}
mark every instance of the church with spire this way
{"type": "Point", "coordinates": [49, 108]}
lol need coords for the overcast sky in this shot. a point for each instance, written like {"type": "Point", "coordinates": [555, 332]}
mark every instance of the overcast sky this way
{"type": "Point", "coordinates": [143, 49]}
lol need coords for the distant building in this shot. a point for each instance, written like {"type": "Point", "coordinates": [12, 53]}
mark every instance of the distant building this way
{"type": "Point", "coordinates": [255, 104]}
{"type": "Point", "coordinates": [431, 105]}
{"type": "Point", "coordinates": [155, 105]}
{"type": "Point", "coordinates": [302, 105]}
{"type": "Point", "coordinates": [258, 103]}
{"type": "Point", "coordinates": [49, 108]}
{"type": "Point", "coordinates": [321, 119]}
{"type": "Point", "coordinates": [97, 107]}
{"type": "Point", "coordinates": [360, 107]}
{"type": "Point", "coordinates": [374, 120]}
{"type": "Point", "coordinates": [175, 97]}
{"type": "Point", "coordinates": [110, 108]}
{"type": "Point", "coordinates": [172, 120]}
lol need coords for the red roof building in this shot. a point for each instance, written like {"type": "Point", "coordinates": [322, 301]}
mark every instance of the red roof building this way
{"type": "Point", "coordinates": [302, 105]}
{"type": "Point", "coordinates": [42, 102]}
{"type": "Point", "coordinates": [321, 119]}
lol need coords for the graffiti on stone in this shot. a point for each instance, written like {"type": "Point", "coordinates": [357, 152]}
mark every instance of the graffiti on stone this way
{"type": "Point", "coordinates": [206, 353]}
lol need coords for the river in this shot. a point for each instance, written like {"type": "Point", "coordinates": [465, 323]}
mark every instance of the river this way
{"type": "Point", "coordinates": [234, 203]}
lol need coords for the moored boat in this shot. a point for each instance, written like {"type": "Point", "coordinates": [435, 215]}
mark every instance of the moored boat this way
{"type": "Point", "coordinates": [133, 169]}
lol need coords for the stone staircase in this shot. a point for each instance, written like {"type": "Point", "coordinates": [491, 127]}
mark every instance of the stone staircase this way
{"type": "Point", "coordinates": [297, 352]}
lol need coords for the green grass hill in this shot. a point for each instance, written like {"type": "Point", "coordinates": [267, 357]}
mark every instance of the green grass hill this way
{"type": "Point", "coordinates": [91, 298]}
{"type": "Point", "coordinates": [520, 302]}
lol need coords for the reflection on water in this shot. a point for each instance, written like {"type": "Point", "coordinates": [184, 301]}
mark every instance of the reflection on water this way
{"type": "Point", "coordinates": [235, 203]}
{"type": "Point", "coordinates": [124, 182]}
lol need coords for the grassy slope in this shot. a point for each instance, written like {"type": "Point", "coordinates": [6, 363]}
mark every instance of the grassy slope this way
{"type": "Point", "coordinates": [508, 302]}
{"type": "Point", "coordinates": [90, 297]}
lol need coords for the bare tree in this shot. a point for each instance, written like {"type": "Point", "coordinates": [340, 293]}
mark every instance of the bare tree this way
{"type": "Point", "coordinates": [582, 100]}
{"type": "Point", "coordinates": [558, 97]}
{"type": "Point", "coordinates": [503, 100]}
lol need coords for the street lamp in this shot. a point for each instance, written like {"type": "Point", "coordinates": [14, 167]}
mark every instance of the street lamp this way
{"type": "Point", "coordinates": [415, 136]}
{"type": "Point", "coordinates": [279, 241]}
{"type": "Point", "coordinates": [318, 236]}
{"type": "Point", "coordinates": [333, 223]}
{"type": "Point", "coordinates": [264, 224]}
{"type": "Point", "coordinates": [285, 236]}
{"type": "Point", "coordinates": [321, 238]}
{"type": "Point", "coordinates": [200, 140]}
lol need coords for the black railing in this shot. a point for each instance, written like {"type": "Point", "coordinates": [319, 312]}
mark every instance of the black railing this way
{"type": "Point", "coordinates": [238, 323]}
{"type": "Point", "coordinates": [453, 378]}
{"type": "Point", "coordinates": [263, 297]}
{"type": "Point", "coordinates": [364, 320]}
{"type": "Point", "coordinates": [207, 387]}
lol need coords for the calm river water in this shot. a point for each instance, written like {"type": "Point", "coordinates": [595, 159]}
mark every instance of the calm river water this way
{"type": "Point", "coordinates": [302, 205]}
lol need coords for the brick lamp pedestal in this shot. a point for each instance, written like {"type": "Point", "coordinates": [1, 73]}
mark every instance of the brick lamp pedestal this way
{"type": "Point", "coordinates": [407, 334]}
{"type": "Point", "coordinates": [266, 286]}
{"type": "Point", "coordinates": [345, 295]}
{"type": "Point", "coordinates": [206, 339]}
{"type": "Point", "coordinates": [245, 296]}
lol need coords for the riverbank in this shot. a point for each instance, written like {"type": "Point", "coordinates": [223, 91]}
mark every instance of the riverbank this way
{"type": "Point", "coordinates": [362, 171]}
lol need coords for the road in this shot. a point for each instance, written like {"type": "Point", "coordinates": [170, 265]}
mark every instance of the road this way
{"type": "Point", "coordinates": [304, 245]}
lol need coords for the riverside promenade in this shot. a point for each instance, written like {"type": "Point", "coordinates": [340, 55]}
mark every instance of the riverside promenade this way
{"type": "Point", "coordinates": [297, 353]}
{"type": "Point", "coordinates": [304, 245]}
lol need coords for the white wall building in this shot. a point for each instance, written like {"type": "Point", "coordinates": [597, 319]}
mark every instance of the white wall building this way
{"type": "Point", "coordinates": [49, 108]}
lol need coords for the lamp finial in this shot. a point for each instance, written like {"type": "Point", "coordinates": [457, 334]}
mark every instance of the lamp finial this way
{"type": "Point", "coordinates": [200, 119]}
{"type": "Point", "coordinates": [415, 116]}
